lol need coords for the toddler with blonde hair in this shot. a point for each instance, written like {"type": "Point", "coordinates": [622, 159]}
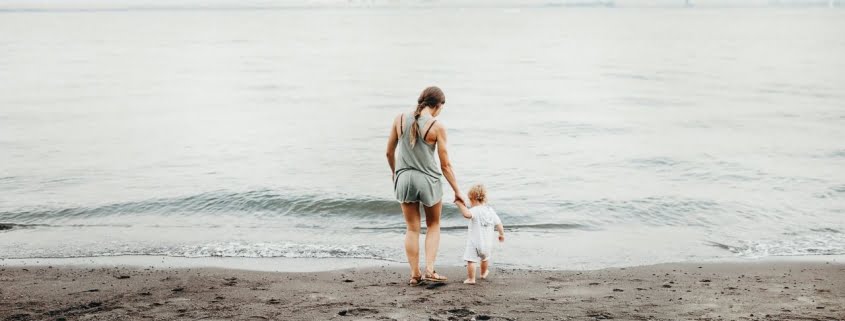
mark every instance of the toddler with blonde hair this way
{"type": "Point", "coordinates": [480, 235]}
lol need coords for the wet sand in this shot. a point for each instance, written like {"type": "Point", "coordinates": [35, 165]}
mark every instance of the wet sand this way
{"type": "Point", "coordinates": [689, 291]}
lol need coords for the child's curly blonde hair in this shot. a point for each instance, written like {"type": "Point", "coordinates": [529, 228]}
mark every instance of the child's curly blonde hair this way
{"type": "Point", "coordinates": [478, 193]}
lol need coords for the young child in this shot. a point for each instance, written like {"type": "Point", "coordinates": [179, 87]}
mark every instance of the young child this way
{"type": "Point", "coordinates": [480, 237]}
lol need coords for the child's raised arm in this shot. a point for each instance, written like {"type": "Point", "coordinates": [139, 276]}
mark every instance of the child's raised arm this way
{"type": "Point", "coordinates": [464, 210]}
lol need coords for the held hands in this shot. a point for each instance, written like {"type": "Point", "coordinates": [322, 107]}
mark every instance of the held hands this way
{"type": "Point", "coordinates": [462, 206]}
{"type": "Point", "coordinates": [459, 199]}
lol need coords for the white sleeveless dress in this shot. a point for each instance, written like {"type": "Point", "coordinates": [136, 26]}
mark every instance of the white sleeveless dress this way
{"type": "Point", "coordinates": [481, 234]}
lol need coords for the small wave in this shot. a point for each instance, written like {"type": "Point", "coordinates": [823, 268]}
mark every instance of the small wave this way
{"type": "Point", "coordinates": [721, 246]}
{"type": "Point", "coordinates": [515, 227]}
{"type": "Point", "coordinates": [512, 227]}
{"type": "Point", "coordinates": [822, 241]}
{"type": "Point", "coordinates": [221, 249]}
{"type": "Point", "coordinates": [655, 211]}
{"type": "Point", "coordinates": [288, 250]}
{"type": "Point", "coordinates": [832, 192]}
{"type": "Point", "coordinates": [655, 162]}
{"type": "Point", "coordinates": [548, 226]}
{"type": "Point", "coordinates": [256, 203]}
{"type": "Point", "coordinates": [764, 249]}
{"type": "Point", "coordinates": [837, 154]}
{"type": "Point", "coordinates": [13, 226]}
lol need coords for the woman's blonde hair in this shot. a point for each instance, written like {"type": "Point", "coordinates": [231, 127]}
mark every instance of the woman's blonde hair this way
{"type": "Point", "coordinates": [478, 192]}
{"type": "Point", "coordinates": [430, 97]}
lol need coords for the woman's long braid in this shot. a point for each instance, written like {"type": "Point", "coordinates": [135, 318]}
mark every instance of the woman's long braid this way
{"type": "Point", "coordinates": [415, 127]}
{"type": "Point", "coordinates": [430, 97]}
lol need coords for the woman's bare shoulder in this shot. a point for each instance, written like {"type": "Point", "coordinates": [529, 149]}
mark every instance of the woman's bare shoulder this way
{"type": "Point", "coordinates": [397, 121]}
{"type": "Point", "coordinates": [438, 125]}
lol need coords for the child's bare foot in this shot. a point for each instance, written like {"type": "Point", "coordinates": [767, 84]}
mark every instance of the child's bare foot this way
{"type": "Point", "coordinates": [469, 281]}
{"type": "Point", "coordinates": [485, 274]}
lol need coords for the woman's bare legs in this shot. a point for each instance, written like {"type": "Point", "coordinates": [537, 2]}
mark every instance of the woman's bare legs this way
{"type": "Point", "coordinates": [412, 237]}
{"type": "Point", "coordinates": [432, 235]}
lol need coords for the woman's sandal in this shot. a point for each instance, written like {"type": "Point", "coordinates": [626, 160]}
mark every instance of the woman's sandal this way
{"type": "Point", "coordinates": [434, 277]}
{"type": "Point", "coordinates": [415, 280]}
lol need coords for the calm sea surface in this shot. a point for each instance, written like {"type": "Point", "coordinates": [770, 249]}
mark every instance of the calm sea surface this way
{"type": "Point", "coordinates": [606, 137]}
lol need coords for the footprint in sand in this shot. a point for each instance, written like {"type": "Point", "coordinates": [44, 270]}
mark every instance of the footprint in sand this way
{"type": "Point", "coordinates": [601, 315]}
{"type": "Point", "coordinates": [357, 312]}
{"type": "Point", "coordinates": [461, 312]}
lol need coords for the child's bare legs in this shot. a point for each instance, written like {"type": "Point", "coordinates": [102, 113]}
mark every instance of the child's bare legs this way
{"type": "Point", "coordinates": [470, 273]}
{"type": "Point", "coordinates": [484, 270]}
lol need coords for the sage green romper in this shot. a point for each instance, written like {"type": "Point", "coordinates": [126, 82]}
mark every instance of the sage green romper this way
{"type": "Point", "coordinates": [417, 176]}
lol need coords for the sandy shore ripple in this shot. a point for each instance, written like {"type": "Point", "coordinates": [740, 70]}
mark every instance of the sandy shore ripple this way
{"type": "Point", "coordinates": [711, 291]}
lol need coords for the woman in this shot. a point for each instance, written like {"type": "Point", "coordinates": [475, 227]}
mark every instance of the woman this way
{"type": "Point", "coordinates": [416, 177]}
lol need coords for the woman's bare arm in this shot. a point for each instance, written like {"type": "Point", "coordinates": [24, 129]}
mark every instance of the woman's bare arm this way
{"type": "Point", "coordinates": [392, 141]}
{"type": "Point", "coordinates": [445, 164]}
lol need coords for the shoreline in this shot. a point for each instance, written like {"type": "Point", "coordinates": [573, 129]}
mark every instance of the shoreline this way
{"type": "Point", "coordinates": [761, 290]}
{"type": "Point", "coordinates": [285, 265]}
{"type": "Point", "coordinates": [278, 264]}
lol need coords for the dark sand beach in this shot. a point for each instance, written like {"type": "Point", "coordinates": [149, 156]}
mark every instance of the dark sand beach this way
{"type": "Point", "coordinates": [688, 291]}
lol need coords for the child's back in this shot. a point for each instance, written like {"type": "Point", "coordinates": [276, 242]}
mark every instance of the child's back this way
{"type": "Point", "coordinates": [481, 233]}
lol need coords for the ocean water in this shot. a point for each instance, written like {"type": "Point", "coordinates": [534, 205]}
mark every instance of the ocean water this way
{"type": "Point", "coordinates": [606, 137]}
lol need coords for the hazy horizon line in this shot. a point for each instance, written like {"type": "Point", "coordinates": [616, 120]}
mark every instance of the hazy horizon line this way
{"type": "Point", "coordinates": [129, 5]}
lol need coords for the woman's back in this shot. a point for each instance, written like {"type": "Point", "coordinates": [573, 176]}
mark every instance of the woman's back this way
{"type": "Point", "coordinates": [421, 156]}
